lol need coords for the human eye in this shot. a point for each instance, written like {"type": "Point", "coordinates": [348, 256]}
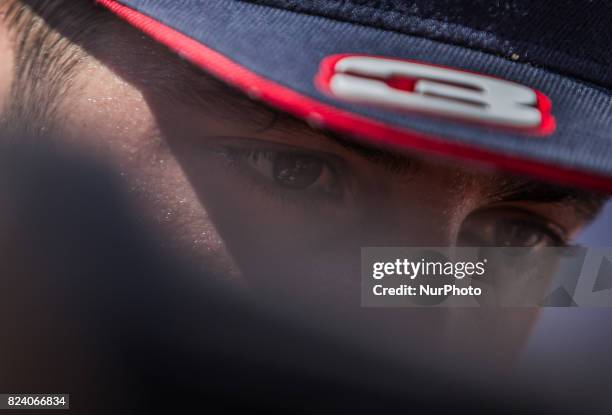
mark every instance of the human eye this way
{"type": "Point", "coordinates": [510, 227]}
{"type": "Point", "coordinates": [289, 173]}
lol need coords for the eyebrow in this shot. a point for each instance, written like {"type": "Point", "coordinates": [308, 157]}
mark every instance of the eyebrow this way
{"type": "Point", "coordinates": [196, 88]}
{"type": "Point", "coordinates": [504, 187]}
{"type": "Point", "coordinates": [394, 162]}
{"type": "Point", "coordinates": [587, 204]}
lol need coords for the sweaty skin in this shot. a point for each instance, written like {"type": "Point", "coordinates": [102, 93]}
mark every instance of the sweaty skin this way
{"type": "Point", "coordinates": [268, 202]}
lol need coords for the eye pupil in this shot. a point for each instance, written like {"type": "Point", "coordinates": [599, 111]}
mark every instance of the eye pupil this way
{"type": "Point", "coordinates": [296, 171]}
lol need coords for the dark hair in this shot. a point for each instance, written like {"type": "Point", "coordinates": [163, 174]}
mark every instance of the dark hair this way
{"type": "Point", "coordinates": [49, 39]}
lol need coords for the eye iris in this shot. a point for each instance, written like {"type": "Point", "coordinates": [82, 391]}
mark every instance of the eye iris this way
{"type": "Point", "coordinates": [513, 234]}
{"type": "Point", "coordinates": [296, 171]}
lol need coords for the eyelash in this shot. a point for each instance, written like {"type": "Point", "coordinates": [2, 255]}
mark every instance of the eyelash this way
{"type": "Point", "coordinates": [237, 156]}
{"type": "Point", "coordinates": [529, 220]}
{"type": "Point", "coordinates": [554, 232]}
{"type": "Point", "coordinates": [557, 237]}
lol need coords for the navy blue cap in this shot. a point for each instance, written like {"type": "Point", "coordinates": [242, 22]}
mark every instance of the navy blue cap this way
{"type": "Point", "coordinates": [525, 85]}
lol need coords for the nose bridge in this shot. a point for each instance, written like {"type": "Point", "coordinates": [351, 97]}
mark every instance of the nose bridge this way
{"type": "Point", "coordinates": [410, 226]}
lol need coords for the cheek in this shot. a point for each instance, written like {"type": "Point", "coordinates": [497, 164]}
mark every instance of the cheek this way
{"type": "Point", "coordinates": [111, 119]}
{"type": "Point", "coordinates": [493, 337]}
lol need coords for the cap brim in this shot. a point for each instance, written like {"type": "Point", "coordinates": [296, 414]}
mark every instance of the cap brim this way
{"type": "Point", "coordinates": [275, 55]}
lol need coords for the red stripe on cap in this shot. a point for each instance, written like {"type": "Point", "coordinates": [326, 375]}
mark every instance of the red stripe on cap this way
{"type": "Point", "coordinates": [310, 109]}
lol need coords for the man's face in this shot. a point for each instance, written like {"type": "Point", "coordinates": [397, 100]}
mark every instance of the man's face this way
{"type": "Point", "coordinates": [280, 206]}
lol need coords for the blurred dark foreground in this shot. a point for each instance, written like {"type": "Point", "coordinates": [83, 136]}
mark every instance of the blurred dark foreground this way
{"type": "Point", "coordinates": [90, 307]}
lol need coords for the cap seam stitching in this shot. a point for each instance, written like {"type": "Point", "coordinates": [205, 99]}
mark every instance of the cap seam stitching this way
{"type": "Point", "coordinates": [598, 64]}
